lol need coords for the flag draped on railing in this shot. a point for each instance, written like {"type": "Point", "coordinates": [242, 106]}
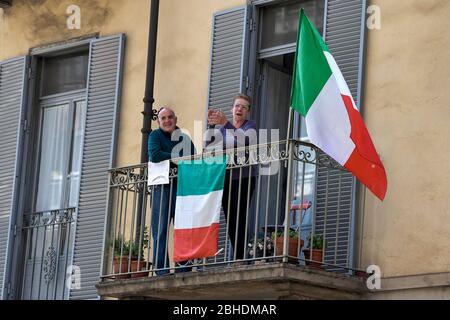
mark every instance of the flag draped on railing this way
{"type": "Point", "coordinates": [197, 210]}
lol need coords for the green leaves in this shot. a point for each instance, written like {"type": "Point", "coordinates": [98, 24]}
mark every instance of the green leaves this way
{"type": "Point", "coordinates": [123, 247]}
{"type": "Point", "coordinates": [292, 234]}
{"type": "Point", "coordinates": [317, 242]}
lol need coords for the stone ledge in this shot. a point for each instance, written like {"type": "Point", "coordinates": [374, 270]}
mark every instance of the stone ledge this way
{"type": "Point", "coordinates": [265, 281]}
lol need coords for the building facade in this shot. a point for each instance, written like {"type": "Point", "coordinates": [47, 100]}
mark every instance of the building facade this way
{"type": "Point", "coordinates": [72, 79]}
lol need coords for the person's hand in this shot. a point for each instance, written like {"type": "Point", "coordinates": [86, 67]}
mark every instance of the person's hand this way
{"type": "Point", "coordinates": [216, 117]}
{"type": "Point", "coordinates": [211, 117]}
{"type": "Point", "coordinates": [221, 118]}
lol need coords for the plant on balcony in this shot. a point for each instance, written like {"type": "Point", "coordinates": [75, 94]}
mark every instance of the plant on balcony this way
{"type": "Point", "coordinates": [261, 249]}
{"type": "Point", "coordinates": [314, 251]}
{"type": "Point", "coordinates": [293, 248]}
{"type": "Point", "coordinates": [130, 252]}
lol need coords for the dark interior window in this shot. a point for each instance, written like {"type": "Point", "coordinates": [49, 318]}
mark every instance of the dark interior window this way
{"type": "Point", "coordinates": [64, 73]}
{"type": "Point", "coordinates": [280, 22]}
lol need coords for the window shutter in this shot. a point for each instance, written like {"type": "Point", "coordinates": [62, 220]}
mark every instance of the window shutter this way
{"type": "Point", "coordinates": [227, 68]}
{"type": "Point", "coordinates": [103, 97]}
{"type": "Point", "coordinates": [227, 64]}
{"type": "Point", "coordinates": [13, 82]}
{"type": "Point", "coordinates": [335, 189]}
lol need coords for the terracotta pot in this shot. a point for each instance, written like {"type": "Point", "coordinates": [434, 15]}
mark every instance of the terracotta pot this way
{"type": "Point", "coordinates": [135, 266]}
{"type": "Point", "coordinates": [316, 256]}
{"type": "Point", "coordinates": [292, 246]}
{"type": "Point", "coordinates": [120, 267]}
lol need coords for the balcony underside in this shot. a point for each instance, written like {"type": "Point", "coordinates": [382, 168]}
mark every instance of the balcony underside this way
{"type": "Point", "coordinates": [264, 281]}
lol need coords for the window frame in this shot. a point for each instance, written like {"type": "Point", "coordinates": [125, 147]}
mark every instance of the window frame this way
{"type": "Point", "coordinates": [71, 98]}
{"type": "Point", "coordinates": [31, 121]}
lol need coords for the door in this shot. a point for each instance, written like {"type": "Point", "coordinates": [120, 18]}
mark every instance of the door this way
{"type": "Point", "coordinates": [48, 224]}
{"type": "Point", "coordinates": [49, 228]}
{"type": "Point", "coordinates": [272, 114]}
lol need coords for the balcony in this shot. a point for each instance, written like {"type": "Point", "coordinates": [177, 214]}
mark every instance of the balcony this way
{"type": "Point", "coordinates": [294, 197]}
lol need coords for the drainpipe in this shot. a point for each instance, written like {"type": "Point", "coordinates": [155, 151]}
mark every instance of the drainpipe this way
{"type": "Point", "coordinates": [149, 113]}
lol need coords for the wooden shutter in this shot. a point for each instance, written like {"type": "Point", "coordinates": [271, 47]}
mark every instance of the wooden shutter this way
{"type": "Point", "coordinates": [13, 76]}
{"type": "Point", "coordinates": [344, 35]}
{"type": "Point", "coordinates": [103, 97]}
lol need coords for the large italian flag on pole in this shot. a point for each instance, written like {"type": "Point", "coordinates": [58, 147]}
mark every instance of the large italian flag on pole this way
{"type": "Point", "coordinates": [197, 209]}
{"type": "Point", "coordinates": [321, 95]}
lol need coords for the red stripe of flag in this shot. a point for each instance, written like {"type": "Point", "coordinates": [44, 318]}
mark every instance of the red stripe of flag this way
{"type": "Point", "coordinates": [195, 243]}
{"type": "Point", "coordinates": [364, 162]}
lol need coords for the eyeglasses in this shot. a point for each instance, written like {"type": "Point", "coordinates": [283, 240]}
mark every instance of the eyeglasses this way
{"type": "Point", "coordinates": [242, 106]}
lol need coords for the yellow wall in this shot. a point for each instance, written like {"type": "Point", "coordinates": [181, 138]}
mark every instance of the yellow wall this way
{"type": "Point", "coordinates": [182, 65]}
{"type": "Point", "coordinates": [183, 57]}
{"type": "Point", "coordinates": [405, 104]}
{"type": "Point", "coordinates": [406, 109]}
{"type": "Point", "coordinates": [29, 24]}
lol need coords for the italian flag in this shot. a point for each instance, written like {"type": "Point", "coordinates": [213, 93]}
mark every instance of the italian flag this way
{"type": "Point", "coordinates": [197, 209]}
{"type": "Point", "coordinates": [334, 124]}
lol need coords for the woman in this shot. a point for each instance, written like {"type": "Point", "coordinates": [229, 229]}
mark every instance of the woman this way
{"type": "Point", "coordinates": [235, 201]}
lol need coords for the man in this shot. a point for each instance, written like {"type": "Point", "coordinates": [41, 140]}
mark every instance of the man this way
{"type": "Point", "coordinates": [163, 144]}
{"type": "Point", "coordinates": [240, 133]}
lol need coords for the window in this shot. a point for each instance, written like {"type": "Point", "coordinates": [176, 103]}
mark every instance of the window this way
{"type": "Point", "coordinates": [56, 121]}
{"type": "Point", "coordinates": [62, 109]}
{"type": "Point", "coordinates": [60, 114]}
{"type": "Point", "coordinates": [277, 37]}
{"type": "Point", "coordinates": [279, 23]}
{"type": "Point", "coordinates": [64, 73]}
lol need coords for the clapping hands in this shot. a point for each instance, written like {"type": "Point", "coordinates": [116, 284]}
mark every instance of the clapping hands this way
{"type": "Point", "coordinates": [216, 117]}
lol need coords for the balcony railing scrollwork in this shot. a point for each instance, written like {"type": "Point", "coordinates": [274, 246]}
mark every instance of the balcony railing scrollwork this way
{"type": "Point", "coordinates": [47, 236]}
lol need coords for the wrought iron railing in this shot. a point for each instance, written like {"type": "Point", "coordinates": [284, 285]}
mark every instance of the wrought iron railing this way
{"type": "Point", "coordinates": [47, 237]}
{"type": "Point", "coordinates": [291, 193]}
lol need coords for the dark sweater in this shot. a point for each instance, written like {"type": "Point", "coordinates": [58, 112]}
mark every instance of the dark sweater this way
{"type": "Point", "coordinates": [160, 145]}
{"type": "Point", "coordinates": [238, 135]}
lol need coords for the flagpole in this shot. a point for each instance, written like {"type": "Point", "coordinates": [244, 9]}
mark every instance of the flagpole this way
{"type": "Point", "coordinates": [287, 222]}
{"type": "Point", "coordinates": [291, 113]}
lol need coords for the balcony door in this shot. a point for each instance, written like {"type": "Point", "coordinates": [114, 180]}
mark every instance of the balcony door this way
{"type": "Point", "coordinates": [275, 52]}
{"type": "Point", "coordinates": [49, 225]}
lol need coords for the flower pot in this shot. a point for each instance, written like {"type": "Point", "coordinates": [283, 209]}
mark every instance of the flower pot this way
{"type": "Point", "coordinates": [292, 246]}
{"type": "Point", "coordinates": [316, 256]}
{"type": "Point", "coordinates": [120, 266]}
{"type": "Point", "coordinates": [135, 266]}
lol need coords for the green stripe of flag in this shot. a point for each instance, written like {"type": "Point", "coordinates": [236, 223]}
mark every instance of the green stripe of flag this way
{"type": "Point", "coordinates": [201, 176]}
{"type": "Point", "coordinates": [311, 69]}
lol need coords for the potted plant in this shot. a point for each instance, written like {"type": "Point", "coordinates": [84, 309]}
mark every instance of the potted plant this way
{"type": "Point", "coordinates": [314, 252]}
{"type": "Point", "coordinates": [130, 253]}
{"type": "Point", "coordinates": [257, 249]}
{"type": "Point", "coordinates": [293, 248]}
